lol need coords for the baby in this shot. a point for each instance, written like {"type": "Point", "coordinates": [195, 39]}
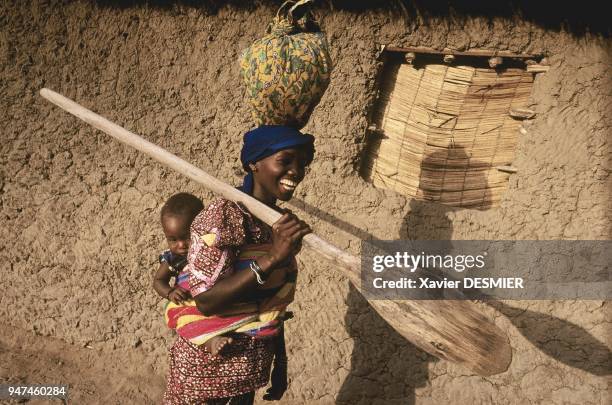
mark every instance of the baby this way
{"type": "Point", "coordinates": [176, 217]}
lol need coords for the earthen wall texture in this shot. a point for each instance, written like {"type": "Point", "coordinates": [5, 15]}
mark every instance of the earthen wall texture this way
{"type": "Point", "coordinates": [80, 211]}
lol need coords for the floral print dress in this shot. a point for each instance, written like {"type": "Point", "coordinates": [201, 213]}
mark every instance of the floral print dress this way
{"type": "Point", "coordinates": [195, 376]}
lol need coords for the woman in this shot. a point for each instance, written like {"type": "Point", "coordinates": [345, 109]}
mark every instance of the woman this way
{"type": "Point", "coordinates": [275, 158]}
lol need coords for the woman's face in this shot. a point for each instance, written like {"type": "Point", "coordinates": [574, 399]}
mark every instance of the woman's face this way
{"type": "Point", "coordinates": [277, 176]}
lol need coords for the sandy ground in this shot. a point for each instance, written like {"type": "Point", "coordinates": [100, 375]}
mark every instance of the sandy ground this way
{"type": "Point", "coordinates": [94, 377]}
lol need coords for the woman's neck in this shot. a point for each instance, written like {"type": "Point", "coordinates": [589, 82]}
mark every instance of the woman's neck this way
{"type": "Point", "coordinates": [261, 195]}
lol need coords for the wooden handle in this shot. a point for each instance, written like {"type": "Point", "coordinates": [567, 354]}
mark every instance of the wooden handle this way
{"type": "Point", "coordinates": [261, 211]}
{"type": "Point", "coordinates": [453, 330]}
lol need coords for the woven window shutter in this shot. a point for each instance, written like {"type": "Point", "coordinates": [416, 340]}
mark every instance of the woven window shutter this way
{"type": "Point", "coordinates": [443, 130]}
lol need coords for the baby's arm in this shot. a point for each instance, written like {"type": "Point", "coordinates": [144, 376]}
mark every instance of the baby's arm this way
{"type": "Point", "coordinates": [161, 284]}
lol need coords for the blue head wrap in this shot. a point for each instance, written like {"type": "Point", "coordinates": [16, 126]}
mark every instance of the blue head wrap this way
{"type": "Point", "coordinates": [265, 141]}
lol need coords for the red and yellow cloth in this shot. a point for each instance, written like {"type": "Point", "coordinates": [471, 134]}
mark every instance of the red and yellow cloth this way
{"type": "Point", "coordinates": [260, 315]}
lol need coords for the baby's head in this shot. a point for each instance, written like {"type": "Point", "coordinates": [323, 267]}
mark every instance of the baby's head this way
{"type": "Point", "coordinates": [176, 217]}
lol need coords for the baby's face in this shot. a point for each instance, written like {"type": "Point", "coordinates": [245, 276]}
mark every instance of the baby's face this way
{"type": "Point", "coordinates": [176, 229]}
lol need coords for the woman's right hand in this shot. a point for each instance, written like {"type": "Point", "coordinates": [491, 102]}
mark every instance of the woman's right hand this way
{"type": "Point", "coordinates": [287, 234]}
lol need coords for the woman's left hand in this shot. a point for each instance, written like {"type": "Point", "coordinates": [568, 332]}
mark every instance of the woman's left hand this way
{"type": "Point", "coordinates": [279, 381]}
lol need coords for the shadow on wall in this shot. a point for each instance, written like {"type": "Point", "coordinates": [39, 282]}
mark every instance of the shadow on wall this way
{"type": "Point", "coordinates": [560, 339]}
{"type": "Point", "coordinates": [589, 16]}
{"type": "Point", "coordinates": [330, 219]}
{"type": "Point", "coordinates": [428, 220]}
{"type": "Point", "coordinates": [385, 367]}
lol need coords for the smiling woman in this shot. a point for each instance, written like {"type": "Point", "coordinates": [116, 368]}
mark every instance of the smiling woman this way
{"type": "Point", "coordinates": [276, 157]}
{"type": "Point", "coordinates": [243, 269]}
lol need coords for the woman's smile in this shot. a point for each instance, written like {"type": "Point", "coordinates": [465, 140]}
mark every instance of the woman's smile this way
{"type": "Point", "coordinates": [288, 185]}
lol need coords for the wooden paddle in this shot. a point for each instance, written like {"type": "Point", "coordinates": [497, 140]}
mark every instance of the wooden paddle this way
{"type": "Point", "coordinates": [452, 330]}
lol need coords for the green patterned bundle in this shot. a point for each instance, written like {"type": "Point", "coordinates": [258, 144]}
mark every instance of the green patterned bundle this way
{"type": "Point", "coordinates": [287, 71]}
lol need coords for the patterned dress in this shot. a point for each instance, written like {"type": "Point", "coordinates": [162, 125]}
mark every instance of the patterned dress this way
{"type": "Point", "coordinates": [217, 234]}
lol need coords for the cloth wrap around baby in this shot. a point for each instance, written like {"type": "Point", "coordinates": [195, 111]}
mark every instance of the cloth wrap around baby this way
{"type": "Point", "coordinates": [259, 315]}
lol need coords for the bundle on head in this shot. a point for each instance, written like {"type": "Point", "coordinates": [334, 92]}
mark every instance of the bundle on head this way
{"type": "Point", "coordinates": [287, 71]}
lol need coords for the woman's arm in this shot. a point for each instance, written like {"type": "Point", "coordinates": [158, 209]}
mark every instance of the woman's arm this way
{"type": "Point", "coordinates": [287, 234]}
{"type": "Point", "coordinates": [228, 290]}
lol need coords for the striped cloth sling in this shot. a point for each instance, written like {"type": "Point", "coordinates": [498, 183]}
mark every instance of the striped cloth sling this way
{"type": "Point", "coordinates": [260, 314]}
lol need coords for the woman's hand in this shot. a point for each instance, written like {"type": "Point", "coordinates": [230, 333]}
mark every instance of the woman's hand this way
{"type": "Point", "coordinates": [178, 295]}
{"type": "Point", "coordinates": [287, 234]}
{"type": "Point", "coordinates": [278, 380]}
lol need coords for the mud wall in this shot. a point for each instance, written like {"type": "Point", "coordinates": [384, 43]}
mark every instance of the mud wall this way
{"type": "Point", "coordinates": [80, 211]}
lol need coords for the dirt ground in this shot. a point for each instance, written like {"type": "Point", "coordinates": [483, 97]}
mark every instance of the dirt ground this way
{"type": "Point", "coordinates": [80, 211]}
{"type": "Point", "coordinates": [94, 377]}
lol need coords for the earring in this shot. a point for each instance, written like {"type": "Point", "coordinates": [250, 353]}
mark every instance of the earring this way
{"type": "Point", "coordinates": [253, 167]}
